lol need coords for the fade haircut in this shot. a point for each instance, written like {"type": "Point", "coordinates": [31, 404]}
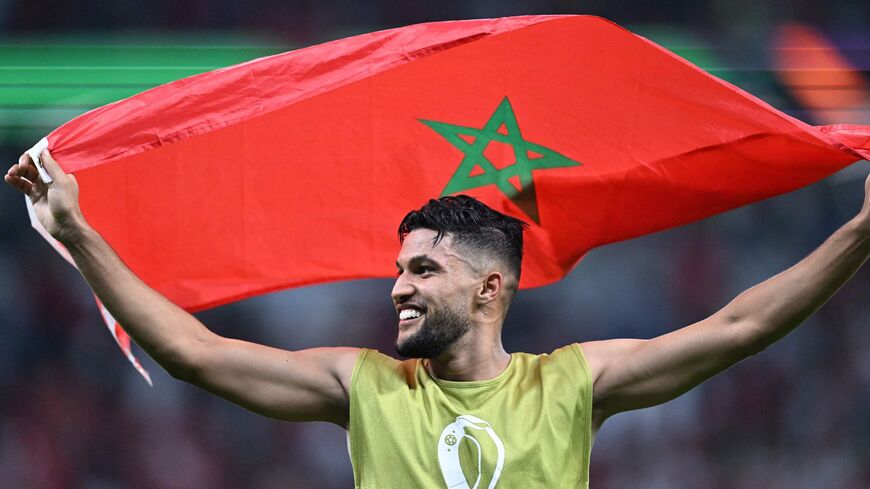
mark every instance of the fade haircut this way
{"type": "Point", "coordinates": [473, 227]}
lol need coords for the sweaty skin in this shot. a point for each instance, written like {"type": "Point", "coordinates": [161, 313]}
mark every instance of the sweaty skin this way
{"type": "Point", "coordinates": [313, 384]}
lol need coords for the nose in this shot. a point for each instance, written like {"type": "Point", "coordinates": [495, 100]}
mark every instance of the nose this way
{"type": "Point", "coordinates": [403, 289]}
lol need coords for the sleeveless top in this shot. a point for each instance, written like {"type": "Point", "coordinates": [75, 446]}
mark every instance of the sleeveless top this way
{"type": "Point", "coordinates": [529, 427]}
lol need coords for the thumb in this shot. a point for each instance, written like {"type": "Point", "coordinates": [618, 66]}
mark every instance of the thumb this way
{"type": "Point", "coordinates": [51, 165]}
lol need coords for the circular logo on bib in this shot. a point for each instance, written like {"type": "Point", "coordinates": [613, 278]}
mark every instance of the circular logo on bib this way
{"type": "Point", "coordinates": [482, 445]}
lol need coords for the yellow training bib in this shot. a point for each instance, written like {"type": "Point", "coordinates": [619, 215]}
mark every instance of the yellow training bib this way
{"type": "Point", "coordinates": [528, 427]}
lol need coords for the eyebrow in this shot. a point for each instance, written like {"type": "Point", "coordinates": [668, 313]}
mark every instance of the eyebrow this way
{"type": "Point", "coordinates": [417, 259]}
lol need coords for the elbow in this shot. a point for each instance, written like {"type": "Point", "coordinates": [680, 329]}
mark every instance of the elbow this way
{"type": "Point", "coordinates": [184, 361]}
{"type": "Point", "coordinates": [178, 366]}
{"type": "Point", "coordinates": [751, 338]}
{"type": "Point", "coordinates": [747, 334]}
{"type": "Point", "coordinates": [180, 371]}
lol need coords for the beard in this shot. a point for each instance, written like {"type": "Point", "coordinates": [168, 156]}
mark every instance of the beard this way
{"type": "Point", "coordinates": [439, 330]}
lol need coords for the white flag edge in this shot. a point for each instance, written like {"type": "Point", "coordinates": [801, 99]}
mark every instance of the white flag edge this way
{"type": "Point", "coordinates": [115, 329]}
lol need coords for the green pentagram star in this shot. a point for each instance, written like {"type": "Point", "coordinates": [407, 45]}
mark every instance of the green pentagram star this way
{"type": "Point", "coordinates": [476, 170]}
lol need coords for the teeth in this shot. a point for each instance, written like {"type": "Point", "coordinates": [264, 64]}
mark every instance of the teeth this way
{"type": "Point", "coordinates": [408, 314]}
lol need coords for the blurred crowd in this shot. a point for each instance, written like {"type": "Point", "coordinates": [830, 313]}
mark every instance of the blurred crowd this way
{"type": "Point", "coordinates": [73, 414]}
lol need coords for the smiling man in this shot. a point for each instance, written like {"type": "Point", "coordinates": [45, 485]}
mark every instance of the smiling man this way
{"type": "Point", "coordinates": [449, 248]}
{"type": "Point", "coordinates": [462, 412]}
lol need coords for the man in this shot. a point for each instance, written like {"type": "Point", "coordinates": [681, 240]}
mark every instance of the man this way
{"type": "Point", "coordinates": [465, 413]}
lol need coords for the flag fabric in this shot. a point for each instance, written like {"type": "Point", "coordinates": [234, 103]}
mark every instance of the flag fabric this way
{"type": "Point", "coordinates": [296, 169]}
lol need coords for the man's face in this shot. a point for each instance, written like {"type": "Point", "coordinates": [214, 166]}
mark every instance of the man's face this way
{"type": "Point", "coordinates": [433, 295]}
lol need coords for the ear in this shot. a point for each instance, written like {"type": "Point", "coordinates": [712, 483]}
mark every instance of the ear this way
{"type": "Point", "coordinates": [490, 288]}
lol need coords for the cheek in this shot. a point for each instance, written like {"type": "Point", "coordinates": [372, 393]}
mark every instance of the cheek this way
{"type": "Point", "coordinates": [452, 292]}
{"type": "Point", "coordinates": [460, 299]}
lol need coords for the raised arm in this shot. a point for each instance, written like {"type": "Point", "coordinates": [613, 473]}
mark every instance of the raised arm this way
{"type": "Point", "coordinates": [307, 385]}
{"type": "Point", "coordinates": [631, 374]}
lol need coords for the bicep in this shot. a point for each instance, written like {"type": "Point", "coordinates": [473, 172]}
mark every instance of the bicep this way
{"type": "Point", "coordinates": [633, 374]}
{"type": "Point", "coordinates": [304, 385]}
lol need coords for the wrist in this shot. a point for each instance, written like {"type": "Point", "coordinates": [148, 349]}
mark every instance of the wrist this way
{"type": "Point", "coordinates": [859, 227]}
{"type": "Point", "coordinates": [73, 232]}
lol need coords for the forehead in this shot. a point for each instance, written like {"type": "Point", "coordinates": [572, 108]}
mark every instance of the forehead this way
{"type": "Point", "coordinates": [418, 243]}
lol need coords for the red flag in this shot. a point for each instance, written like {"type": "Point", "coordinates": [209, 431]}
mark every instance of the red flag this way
{"type": "Point", "coordinates": [297, 168]}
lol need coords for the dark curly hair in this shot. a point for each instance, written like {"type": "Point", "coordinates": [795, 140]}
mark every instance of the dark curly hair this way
{"type": "Point", "coordinates": [473, 226]}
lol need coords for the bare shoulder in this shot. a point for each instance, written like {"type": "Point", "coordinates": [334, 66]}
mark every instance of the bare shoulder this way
{"type": "Point", "coordinates": [601, 357]}
{"type": "Point", "coordinates": [600, 354]}
{"type": "Point", "coordinates": [339, 361]}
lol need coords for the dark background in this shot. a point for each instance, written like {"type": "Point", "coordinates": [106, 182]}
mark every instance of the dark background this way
{"type": "Point", "coordinates": [74, 414]}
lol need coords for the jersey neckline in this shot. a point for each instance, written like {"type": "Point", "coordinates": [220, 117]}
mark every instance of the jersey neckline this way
{"type": "Point", "coordinates": [464, 384]}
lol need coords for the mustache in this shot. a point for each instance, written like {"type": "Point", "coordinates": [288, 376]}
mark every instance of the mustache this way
{"type": "Point", "coordinates": [419, 305]}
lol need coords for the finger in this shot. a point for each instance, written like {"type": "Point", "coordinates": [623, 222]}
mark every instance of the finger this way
{"type": "Point", "coordinates": [25, 159]}
{"type": "Point", "coordinates": [28, 169]}
{"type": "Point", "coordinates": [19, 183]}
{"type": "Point", "coordinates": [30, 172]}
{"type": "Point", "coordinates": [24, 171]}
{"type": "Point", "coordinates": [44, 177]}
{"type": "Point", "coordinates": [50, 165]}
{"type": "Point", "coordinates": [22, 162]}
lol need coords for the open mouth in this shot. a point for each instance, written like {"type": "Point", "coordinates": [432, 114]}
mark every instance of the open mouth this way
{"type": "Point", "coordinates": [410, 314]}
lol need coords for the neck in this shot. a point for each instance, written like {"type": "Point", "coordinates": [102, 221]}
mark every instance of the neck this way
{"type": "Point", "coordinates": [471, 358]}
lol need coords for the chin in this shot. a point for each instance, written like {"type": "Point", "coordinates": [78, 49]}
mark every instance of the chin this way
{"type": "Point", "coordinates": [402, 348]}
{"type": "Point", "coordinates": [407, 334]}
{"type": "Point", "coordinates": [401, 345]}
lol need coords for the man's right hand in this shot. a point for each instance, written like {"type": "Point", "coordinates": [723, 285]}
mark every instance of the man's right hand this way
{"type": "Point", "coordinates": [305, 385]}
{"type": "Point", "coordinates": [56, 204]}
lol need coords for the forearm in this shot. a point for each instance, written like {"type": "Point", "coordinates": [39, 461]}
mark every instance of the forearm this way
{"type": "Point", "coordinates": [165, 331]}
{"type": "Point", "coordinates": [771, 309]}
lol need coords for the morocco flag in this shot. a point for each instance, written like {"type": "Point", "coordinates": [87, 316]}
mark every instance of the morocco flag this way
{"type": "Point", "coordinates": [297, 168]}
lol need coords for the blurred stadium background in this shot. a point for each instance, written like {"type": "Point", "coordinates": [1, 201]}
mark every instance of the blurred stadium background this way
{"type": "Point", "coordinates": [74, 414]}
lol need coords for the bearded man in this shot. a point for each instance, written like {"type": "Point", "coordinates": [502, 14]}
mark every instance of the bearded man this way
{"type": "Point", "coordinates": [462, 412]}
